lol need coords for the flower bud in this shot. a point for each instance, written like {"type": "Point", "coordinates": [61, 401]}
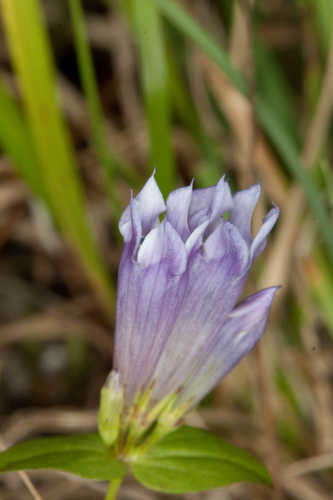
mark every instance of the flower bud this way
{"type": "Point", "coordinates": [111, 406]}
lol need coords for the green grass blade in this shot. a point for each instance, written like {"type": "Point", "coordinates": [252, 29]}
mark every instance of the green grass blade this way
{"type": "Point", "coordinates": [147, 25]}
{"type": "Point", "coordinates": [210, 168]}
{"type": "Point", "coordinates": [323, 13]}
{"type": "Point", "coordinates": [112, 166]}
{"type": "Point", "coordinates": [33, 62]}
{"type": "Point", "coordinates": [271, 83]}
{"type": "Point", "coordinates": [16, 140]}
{"type": "Point", "coordinates": [180, 18]}
{"type": "Point", "coordinates": [282, 141]}
{"type": "Point", "coordinates": [291, 158]}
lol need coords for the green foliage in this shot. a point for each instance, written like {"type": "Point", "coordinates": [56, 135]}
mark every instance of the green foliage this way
{"type": "Point", "coordinates": [187, 459]}
{"type": "Point", "coordinates": [16, 140]}
{"type": "Point", "coordinates": [270, 123]}
{"type": "Point", "coordinates": [56, 166]}
{"type": "Point", "coordinates": [112, 166]}
{"type": "Point", "coordinates": [178, 16]}
{"type": "Point", "coordinates": [271, 84]}
{"type": "Point", "coordinates": [191, 459]}
{"type": "Point", "coordinates": [323, 15]}
{"type": "Point", "coordinates": [83, 454]}
{"type": "Point", "coordinates": [146, 21]}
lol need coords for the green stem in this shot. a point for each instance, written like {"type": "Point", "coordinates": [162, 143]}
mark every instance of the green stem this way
{"type": "Point", "coordinates": [113, 489]}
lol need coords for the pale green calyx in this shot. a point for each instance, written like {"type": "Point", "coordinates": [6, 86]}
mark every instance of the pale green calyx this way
{"type": "Point", "coordinates": [110, 409]}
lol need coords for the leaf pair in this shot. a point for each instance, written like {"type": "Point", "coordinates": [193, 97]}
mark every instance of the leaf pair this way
{"type": "Point", "coordinates": [187, 459]}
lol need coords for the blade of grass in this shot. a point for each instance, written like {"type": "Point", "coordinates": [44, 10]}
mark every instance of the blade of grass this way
{"type": "Point", "coordinates": [319, 274]}
{"type": "Point", "coordinates": [210, 167]}
{"type": "Point", "coordinates": [323, 13]}
{"type": "Point", "coordinates": [146, 21]}
{"type": "Point", "coordinates": [31, 55]}
{"type": "Point", "coordinates": [282, 141]}
{"type": "Point", "coordinates": [112, 166]}
{"type": "Point", "coordinates": [16, 140]}
{"type": "Point", "coordinates": [271, 82]}
{"type": "Point", "coordinates": [185, 23]}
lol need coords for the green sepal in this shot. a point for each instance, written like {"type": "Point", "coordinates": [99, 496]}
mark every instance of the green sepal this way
{"type": "Point", "coordinates": [81, 454]}
{"type": "Point", "coordinates": [190, 459]}
{"type": "Point", "coordinates": [111, 406]}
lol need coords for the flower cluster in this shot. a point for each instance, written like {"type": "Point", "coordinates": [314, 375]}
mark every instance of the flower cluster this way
{"type": "Point", "coordinates": [179, 329]}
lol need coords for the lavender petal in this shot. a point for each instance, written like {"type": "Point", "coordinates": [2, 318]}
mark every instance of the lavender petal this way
{"type": "Point", "coordinates": [178, 204]}
{"type": "Point", "coordinates": [209, 204]}
{"type": "Point", "coordinates": [150, 204]}
{"type": "Point", "coordinates": [238, 336]}
{"type": "Point", "coordinates": [260, 239]}
{"type": "Point", "coordinates": [155, 287]}
{"type": "Point", "coordinates": [213, 288]}
{"type": "Point", "coordinates": [245, 202]}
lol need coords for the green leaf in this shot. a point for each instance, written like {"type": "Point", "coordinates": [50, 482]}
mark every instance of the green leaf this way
{"type": "Point", "coordinates": [82, 454]}
{"type": "Point", "coordinates": [191, 459]}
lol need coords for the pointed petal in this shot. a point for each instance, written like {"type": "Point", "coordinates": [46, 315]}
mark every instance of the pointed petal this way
{"type": "Point", "coordinates": [163, 243]}
{"type": "Point", "coordinates": [241, 214]}
{"type": "Point", "coordinates": [222, 202]}
{"type": "Point", "coordinates": [209, 204]}
{"type": "Point", "coordinates": [151, 204]}
{"type": "Point", "coordinates": [239, 335]}
{"type": "Point", "coordinates": [199, 207]}
{"type": "Point", "coordinates": [130, 227]}
{"type": "Point", "coordinates": [150, 294]}
{"type": "Point", "coordinates": [178, 204]}
{"type": "Point", "coordinates": [226, 239]}
{"type": "Point", "coordinates": [212, 291]}
{"type": "Point", "coordinates": [194, 241]}
{"type": "Point", "coordinates": [259, 241]}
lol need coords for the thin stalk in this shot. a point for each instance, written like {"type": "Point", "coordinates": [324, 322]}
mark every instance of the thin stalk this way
{"type": "Point", "coordinates": [88, 78]}
{"type": "Point", "coordinates": [147, 24]}
{"type": "Point", "coordinates": [113, 489]}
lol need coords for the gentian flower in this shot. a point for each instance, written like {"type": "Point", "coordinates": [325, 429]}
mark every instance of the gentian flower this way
{"type": "Point", "coordinates": [179, 329]}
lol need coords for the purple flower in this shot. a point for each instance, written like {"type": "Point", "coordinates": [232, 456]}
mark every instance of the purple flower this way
{"type": "Point", "coordinates": [179, 329]}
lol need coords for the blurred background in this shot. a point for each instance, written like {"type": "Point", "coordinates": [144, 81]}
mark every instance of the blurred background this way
{"type": "Point", "coordinates": [95, 93]}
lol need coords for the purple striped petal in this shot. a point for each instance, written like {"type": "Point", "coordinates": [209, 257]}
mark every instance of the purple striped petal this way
{"type": "Point", "coordinates": [150, 204]}
{"type": "Point", "coordinates": [178, 327]}
{"type": "Point", "coordinates": [227, 347]}
{"type": "Point", "coordinates": [241, 214]}
{"type": "Point", "coordinates": [226, 239]}
{"type": "Point", "coordinates": [150, 292]}
{"type": "Point", "coordinates": [130, 225]}
{"type": "Point", "coordinates": [214, 285]}
{"type": "Point", "coordinates": [163, 244]}
{"type": "Point", "coordinates": [178, 204]}
{"type": "Point", "coordinates": [209, 204]}
{"type": "Point", "coordinates": [260, 240]}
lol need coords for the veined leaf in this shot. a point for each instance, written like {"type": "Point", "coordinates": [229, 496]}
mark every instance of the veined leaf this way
{"type": "Point", "coordinates": [190, 459]}
{"type": "Point", "coordinates": [82, 454]}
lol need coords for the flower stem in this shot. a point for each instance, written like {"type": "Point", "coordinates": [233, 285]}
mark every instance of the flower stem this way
{"type": "Point", "coordinates": [113, 489]}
